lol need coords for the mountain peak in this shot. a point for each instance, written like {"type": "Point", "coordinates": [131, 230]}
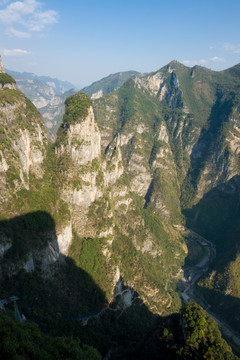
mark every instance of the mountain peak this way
{"type": "Point", "coordinates": [174, 62]}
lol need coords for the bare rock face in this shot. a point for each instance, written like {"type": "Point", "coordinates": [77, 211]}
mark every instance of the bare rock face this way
{"type": "Point", "coordinates": [2, 70]}
{"type": "Point", "coordinates": [10, 83]}
{"type": "Point", "coordinates": [141, 177]}
{"type": "Point", "coordinates": [97, 95]}
{"type": "Point", "coordinates": [114, 158]}
{"type": "Point", "coordinates": [83, 145]}
{"type": "Point", "coordinates": [83, 141]}
{"type": "Point", "coordinates": [24, 143]}
{"type": "Point", "coordinates": [84, 196]}
{"type": "Point", "coordinates": [151, 83]}
{"type": "Point", "coordinates": [29, 149]}
{"type": "Point", "coordinates": [8, 86]}
{"type": "Point", "coordinates": [55, 250]}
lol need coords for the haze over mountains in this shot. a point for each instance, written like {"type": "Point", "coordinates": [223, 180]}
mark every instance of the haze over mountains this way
{"type": "Point", "coordinates": [114, 223]}
{"type": "Point", "coordinates": [48, 94]}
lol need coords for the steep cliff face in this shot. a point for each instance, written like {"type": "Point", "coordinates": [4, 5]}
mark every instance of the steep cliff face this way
{"type": "Point", "coordinates": [24, 188]}
{"type": "Point", "coordinates": [102, 207]}
{"type": "Point", "coordinates": [117, 178]}
{"type": "Point", "coordinates": [2, 70]}
{"type": "Point", "coordinates": [107, 206]}
{"type": "Point", "coordinates": [23, 139]}
{"type": "Point", "coordinates": [83, 141]}
{"type": "Point", "coordinates": [198, 109]}
{"type": "Point", "coordinates": [178, 132]}
{"type": "Point", "coordinates": [132, 115]}
{"type": "Point", "coordinates": [80, 143]}
{"type": "Point", "coordinates": [33, 256]}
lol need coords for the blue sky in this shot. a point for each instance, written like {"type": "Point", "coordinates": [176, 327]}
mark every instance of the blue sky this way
{"type": "Point", "coordinates": [83, 41]}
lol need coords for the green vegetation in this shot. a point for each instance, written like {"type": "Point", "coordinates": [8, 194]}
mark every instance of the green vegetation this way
{"type": "Point", "coordinates": [6, 79]}
{"type": "Point", "coordinates": [180, 148]}
{"type": "Point", "coordinates": [191, 335]}
{"type": "Point", "coordinates": [88, 256]}
{"type": "Point", "coordinates": [152, 267]}
{"type": "Point", "coordinates": [10, 96]}
{"type": "Point", "coordinates": [109, 83]}
{"type": "Point", "coordinates": [203, 336]}
{"type": "Point", "coordinates": [26, 341]}
{"type": "Point", "coordinates": [76, 108]}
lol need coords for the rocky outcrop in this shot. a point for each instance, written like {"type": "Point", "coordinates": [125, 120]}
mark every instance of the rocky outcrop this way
{"type": "Point", "coordinates": [11, 86]}
{"type": "Point", "coordinates": [55, 250]}
{"type": "Point", "coordinates": [86, 195]}
{"type": "Point", "coordinates": [113, 167]}
{"type": "Point", "coordinates": [30, 150]}
{"type": "Point", "coordinates": [24, 141]}
{"type": "Point", "coordinates": [83, 141]}
{"type": "Point", "coordinates": [97, 94]}
{"type": "Point", "coordinates": [151, 82]}
{"type": "Point", "coordinates": [2, 70]}
{"type": "Point", "coordinates": [141, 177]}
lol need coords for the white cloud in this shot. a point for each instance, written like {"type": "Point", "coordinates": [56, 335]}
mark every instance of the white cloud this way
{"type": "Point", "coordinates": [235, 48]}
{"type": "Point", "coordinates": [195, 62]}
{"type": "Point", "coordinates": [28, 16]}
{"type": "Point", "coordinates": [20, 34]}
{"type": "Point", "coordinates": [15, 52]}
{"type": "Point", "coordinates": [202, 61]}
{"type": "Point", "coordinates": [217, 59]}
{"type": "Point", "coordinates": [41, 20]}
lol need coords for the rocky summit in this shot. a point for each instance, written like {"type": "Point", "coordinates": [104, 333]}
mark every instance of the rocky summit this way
{"type": "Point", "coordinates": [131, 213]}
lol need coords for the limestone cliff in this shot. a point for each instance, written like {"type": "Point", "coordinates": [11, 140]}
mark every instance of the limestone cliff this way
{"type": "Point", "coordinates": [23, 138]}
{"type": "Point", "coordinates": [178, 132]}
{"type": "Point", "coordinates": [2, 70]}
{"type": "Point", "coordinates": [23, 188]}
{"type": "Point", "coordinates": [117, 178]}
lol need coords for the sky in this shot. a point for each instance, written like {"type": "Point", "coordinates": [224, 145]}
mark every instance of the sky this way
{"type": "Point", "coordinates": [84, 41]}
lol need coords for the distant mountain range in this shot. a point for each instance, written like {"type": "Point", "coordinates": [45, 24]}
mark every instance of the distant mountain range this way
{"type": "Point", "coordinates": [59, 86]}
{"type": "Point", "coordinates": [47, 94]}
{"type": "Point", "coordinates": [108, 84]}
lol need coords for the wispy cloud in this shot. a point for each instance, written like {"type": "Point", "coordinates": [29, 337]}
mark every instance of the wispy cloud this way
{"type": "Point", "coordinates": [20, 34]}
{"type": "Point", "coordinates": [217, 59]}
{"type": "Point", "coordinates": [15, 52]}
{"type": "Point", "coordinates": [235, 48]}
{"type": "Point", "coordinates": [195, 62]}
{"type": "Point", "coordinates": [23, 18]}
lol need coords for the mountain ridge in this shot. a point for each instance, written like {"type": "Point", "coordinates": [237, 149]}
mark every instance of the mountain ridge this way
{"type": "Point", "coordinates": [126, 173]}
{"type": "Point", "coordinates": [108, 84]}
